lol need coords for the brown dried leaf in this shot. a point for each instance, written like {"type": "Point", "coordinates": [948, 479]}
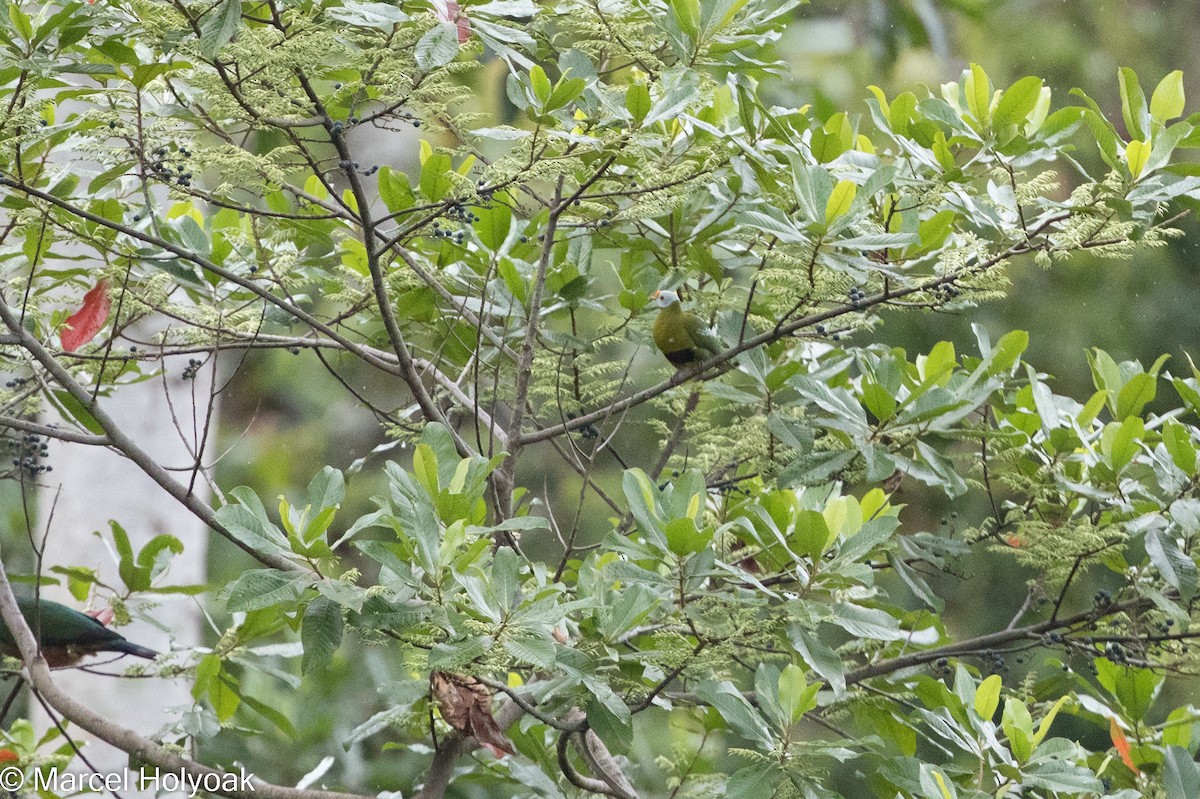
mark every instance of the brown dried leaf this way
{"type": "Point", "coordinates": [466, 705]}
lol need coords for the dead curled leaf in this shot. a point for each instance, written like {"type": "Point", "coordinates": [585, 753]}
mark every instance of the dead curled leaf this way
{"type": "Point", "coordinates": [466, 705]}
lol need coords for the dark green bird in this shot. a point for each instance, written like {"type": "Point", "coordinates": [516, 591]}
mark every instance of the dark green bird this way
{"type": "Point", "coordinates": [67, 636]}
{"type": "Point", "coordinates": [681, 335]}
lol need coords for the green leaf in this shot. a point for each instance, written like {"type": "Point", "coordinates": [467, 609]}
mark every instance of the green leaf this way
{"type": "Point", "coordinates": [320, 633]}
{"type": "Point", "coordinates": [224, 696]}
{"type": "Point", "coordinates": [1018, 101]}
{"type": "Point", "coordinates": [614, 728]}
{"type": "Point", "coordinates": [796, 696]}
{"type": "Point", "coordinates": [1181, 778]}
{"type": "Point", "coordinates": [272, 715]}
{"type": "Point", "coordinates": [684, 538]}
{"type": "Point", "coordinates": [74, 408]}
{"type": "Point", "coordinates": [812, 536]}
{"type": "Point", "coordinates": [870, 623]}
{"type": "Point", "coordinates": [435, 177]}
{"type": "Point", "coordinates": [1137, 153]}
{"type": "Point", "coordinates": [687, 16]}
{"type": "Point", "coordinates": [564, 92]}
{"type": "Point", "coordinates": [1018, 727]}
{"type": "Point", "coordinates": [1177, 730]}
{"type": "Point", "coordinates": [437, 47]}
{"type": "Point", "coordinates": [759, 781]}
{"type": "Point", "coordinates": [1134, 688]}
{"type": "Point", "coordinates": [540, 84]}
{"type": "Point", "coordinates": [733, 707]}
{"type": "Point", "coordinates": [394, 189]}
{"type": "Point", "coordinates": [1178, 441]}
{"type": "Point", "coordinates": [327, 489]}
{"type": "Point", "coordinates": [637, 102]}
{"type": "Point", "coordinates": [840, 200]}
{"type": "Point", "coordinates": [1119, 441]}
{"type": "Point", "coordinates": [987, 697]}
{"type": "Point", "coordinates": [1048, 720]}
{"type": "Point", "coordinates": [979, 95]}
{"type": "Point", "coordinates": [1133, 104]}
{"type": "Point", "coordinates": [819, 656]}
{"type": "Point", "coordinates": [494, 222]}
{"type": "Point", "coordinates": [219, 26]}
{"type": "Point", "coordinates": [1177, 568]}
{"type": "Point", "coordinates": [1008, 349]}
{"type": "Point", "coordinates": [260, 588]}
{"type": "Point", "coordinates": [1135, 394]}
{"type": "Point", "coordinates": [1167, 102]}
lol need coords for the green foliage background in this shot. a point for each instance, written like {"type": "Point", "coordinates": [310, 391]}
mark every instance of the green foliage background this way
{"type": "Point", "coordinates": [283, 423]}
{"type": "Point", "coordinates": [1135, 309]}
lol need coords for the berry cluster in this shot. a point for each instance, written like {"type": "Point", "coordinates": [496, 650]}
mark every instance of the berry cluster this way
{"type": "Point", "coordinates": [457, 212]}
{"type": "Point", "coordinates": [28, 452]}
{"type": "Point", "coordinates": [994, 661]}
{"type": "Point", "coordinates": [16, 382]}
{"type": "Point", "coordinates": [948, 291]}
{"type": "Point", "coordinates": [857, 296]}
{"type": "Point", "coordinates": [192, 369]}
{"type": "Point", "coordinates": [163, 167]}
{"type": "Point", "coordinates": [440, 233]}
{"type": "Point", "coordinates": [346, 166]}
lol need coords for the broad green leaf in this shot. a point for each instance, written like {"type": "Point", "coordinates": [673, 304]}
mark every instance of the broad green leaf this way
{"type": "Point", "coordinates": [435, 177]}
{"type": "Point", "coordinates": [1137, 153]}
{"type": "Point", "coordinates": [1135, 394]}
{"type": "Point", "coordinates": [979, 95]}
{"type": "Point", "coordinates": [840, 200]}
{"type": "Point", "coordinates": [1181, 776]}
{"type": "Point", "coordinates": [1018, 101]}
{"type": "Point", "coordinates": [1018, 727]}
{"type": "Point", "coordinates": [260, 588]}
{"type": "Point", "coordinates": [637, 102]}
{"type": "Point", "coordinates": [437, 47]}
{"type": "Point", "coordinates": [796, 696]}
{"type": "Point", "coordinates": [1133, 687]}
{"type": "Point", "coordinates": [540, 84]}
{"type": "Point", "coordinates": [734, 708]}
{"type": "Point", "coordinates": [687, 16]}
{"type": "Point", "coordinates": [218, 27]}
{"type": "Point", "coordinates": [1133, 104]}
{"type": "Point", "coordinates": [759, 781]}
{"type": "Point", "coordinates": [1177, 568]}
{"type": "Point", "coordinates": [987, 697]}
{"type": "Point", "coordinates": [320, 633]}
{"type": "Point", "coordinates": [1167, 102]}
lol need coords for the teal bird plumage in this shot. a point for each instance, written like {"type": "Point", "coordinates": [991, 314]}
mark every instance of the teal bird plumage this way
{"type": "Point", "coordinates": [66, 635]}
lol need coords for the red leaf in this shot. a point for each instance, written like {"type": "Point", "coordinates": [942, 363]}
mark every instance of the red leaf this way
{"type": "Point", "coordinates": [83, 325]}
{"type": "Point", "coordinates": [8, 756]}
{"type": "Point", "coordinates": [450, 11]}
{"type": "Point", "coordinates": [1122, 744]}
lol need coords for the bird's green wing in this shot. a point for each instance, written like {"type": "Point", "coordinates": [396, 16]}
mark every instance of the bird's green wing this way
{"type": "Point", "coordinates": [702, 338]}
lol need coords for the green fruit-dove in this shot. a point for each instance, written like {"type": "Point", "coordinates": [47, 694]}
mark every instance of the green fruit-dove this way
{"type": "Point", "coordinates": [681, 335]}
{"type": "Point", "coordinates": [66, 635]}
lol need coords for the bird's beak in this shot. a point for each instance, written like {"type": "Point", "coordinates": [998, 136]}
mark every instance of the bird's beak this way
{"type": "Point", "coordinates": [654, 296]}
